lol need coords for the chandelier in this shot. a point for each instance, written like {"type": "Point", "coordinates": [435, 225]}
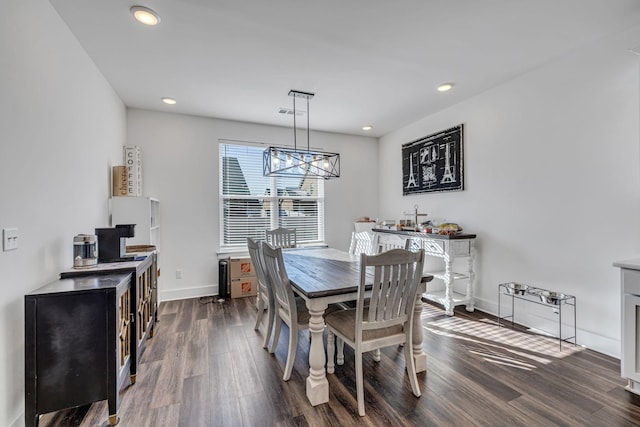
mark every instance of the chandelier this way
{"type": "Point", "coordinates": [280, 161]}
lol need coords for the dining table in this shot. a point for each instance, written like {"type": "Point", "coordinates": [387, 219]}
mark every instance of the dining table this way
{"type": "Point", "coordinates": [323, 276]}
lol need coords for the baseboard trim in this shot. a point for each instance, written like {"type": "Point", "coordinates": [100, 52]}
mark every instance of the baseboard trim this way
{"type": "Point", "coordinates": [186, 293]}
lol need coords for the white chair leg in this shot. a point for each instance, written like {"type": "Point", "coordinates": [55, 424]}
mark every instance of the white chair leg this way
{"type": "Point", "coordinates": [291, 356]}
{"type": "Point", "coordinates": [260, 307]}
{"type": "Point", "coordinates": [376, 355]}
{"type": "Point", "coordinates": [331, 350]}
{"type": "Point", "coordinates": [340, 358]}
{"type": "Point", "coordinates": [276, 334]}
{"type": "Point", "coordinates": [359, 383]}
{"type": "Point", "coordinates": [411, 370]}
{"type": "Point", "coordinates": [269, 331]}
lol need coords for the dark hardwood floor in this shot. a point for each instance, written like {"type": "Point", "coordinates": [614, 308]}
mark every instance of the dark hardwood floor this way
{"type": "Point", "coordinates": [205, 366]}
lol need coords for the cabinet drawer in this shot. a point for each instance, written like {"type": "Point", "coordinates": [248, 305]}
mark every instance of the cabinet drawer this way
{"type": "Point", "coordinates": [435, 247]}
{"type": "Point", "coordinates": [630, 281]}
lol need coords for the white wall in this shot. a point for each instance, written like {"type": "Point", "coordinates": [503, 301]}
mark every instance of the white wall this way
{"type": "Point", "coordinates": [551, 183]}
{"type": "Point", "coordinates": [62, 128]}
{"type": "Point", "coordinates": [180, 168]}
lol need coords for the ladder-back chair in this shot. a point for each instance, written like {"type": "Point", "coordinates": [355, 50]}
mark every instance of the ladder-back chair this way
{"type": "Point", "coordinates": [265, 294]}
{"type": "Point", "coordinates": [282, 237]}
{"type": "Point", "coordinates": [387, 317]}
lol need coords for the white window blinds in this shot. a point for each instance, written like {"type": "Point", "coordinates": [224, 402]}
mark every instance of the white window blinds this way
{"type": "Point", "coordinates": [251, 203]}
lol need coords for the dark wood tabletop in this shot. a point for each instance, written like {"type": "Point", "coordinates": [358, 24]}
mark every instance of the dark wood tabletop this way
{"type": "Point", "coordinates": [321, 272]}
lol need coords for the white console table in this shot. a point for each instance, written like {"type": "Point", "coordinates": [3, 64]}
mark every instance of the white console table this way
{"type": "Point", "coordinates": [448, 248]}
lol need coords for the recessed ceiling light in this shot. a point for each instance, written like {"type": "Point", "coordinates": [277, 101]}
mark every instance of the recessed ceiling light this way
{"type": "Point", "coordinates": [367, 127]}
{"type": "Point", "coordinates": [145, 15]}
{"type": "Point", "coordinates": [445, 87]}
{"type": "Point", "coordinates": [169, 101]}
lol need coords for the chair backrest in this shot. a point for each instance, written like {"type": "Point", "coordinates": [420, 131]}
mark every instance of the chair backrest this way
{"type": "Point", "coordinates": [415, 245]}
{"type": "Point", "coordinates": [258, 265]}
{"type": "Point", "coordinates": [282, 237]}
{"type": "Point", "coordinates": [397, 274]}
{"type": "Point", "coordinates": [389, 242]}
{"type": "Point", "coordinates": [363, 242]}
{"type": "Point", "coordinates": [284, 300]}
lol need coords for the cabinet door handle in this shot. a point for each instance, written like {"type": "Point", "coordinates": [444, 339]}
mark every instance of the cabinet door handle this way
{"type": "Point", "coordinates": [133, 318]}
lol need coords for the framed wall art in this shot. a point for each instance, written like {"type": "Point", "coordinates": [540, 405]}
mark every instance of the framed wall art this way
{"type": "Point", "coordinates": [434, 163]}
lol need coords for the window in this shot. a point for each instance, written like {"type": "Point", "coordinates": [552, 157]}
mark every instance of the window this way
{"type": "Point", "coordinates": [251, 203]}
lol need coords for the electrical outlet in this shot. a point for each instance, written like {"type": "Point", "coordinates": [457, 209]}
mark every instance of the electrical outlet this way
{"type": "Point", "coordinates": [178, 274]}
{"type": "Point", "coordinates": [9, 239]}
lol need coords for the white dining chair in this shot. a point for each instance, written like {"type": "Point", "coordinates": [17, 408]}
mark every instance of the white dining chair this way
{"type": "Point", "coordinates": [282, 237]}
{"type": "Point", "coordinates": [265, 294]}
{"type": "Point", "coordinates": [384, 245]}
{"type": "Point", "coordinates": [363, 242]}
{"type": "Point", "coordinates": [287, 308]}
{"type": "Point", "coordinates": [389, 242]}
{"type": "Point", "coordinates": [387, 319]}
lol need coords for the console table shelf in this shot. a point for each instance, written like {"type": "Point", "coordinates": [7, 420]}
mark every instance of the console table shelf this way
{"type": "Point", "coordinates": [540, 296]}
{"type": "Point", "coordinates": [448, 248]}
{"type": "Point", "coordinates": [454, 275]}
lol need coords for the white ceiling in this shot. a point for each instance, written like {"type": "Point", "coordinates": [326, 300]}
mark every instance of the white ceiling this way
{"type": "Point", "coordinates": [368, 61]}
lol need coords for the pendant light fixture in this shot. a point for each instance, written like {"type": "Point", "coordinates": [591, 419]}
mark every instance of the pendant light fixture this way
{"type": "Point", "coordinates": [280, 161]}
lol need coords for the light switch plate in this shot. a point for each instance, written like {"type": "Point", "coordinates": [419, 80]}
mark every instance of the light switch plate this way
{"type": "Point", "coordinates": [9, 239]}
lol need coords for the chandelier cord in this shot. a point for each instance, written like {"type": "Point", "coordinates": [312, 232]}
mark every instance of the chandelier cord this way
{"type": "Point", "coordinates": [308, 130]}
{"type": "Point", "coordinates": [295, 145]}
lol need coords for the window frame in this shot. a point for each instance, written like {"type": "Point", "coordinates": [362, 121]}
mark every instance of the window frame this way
{"type": "Point", "coordinates": [273, 198]}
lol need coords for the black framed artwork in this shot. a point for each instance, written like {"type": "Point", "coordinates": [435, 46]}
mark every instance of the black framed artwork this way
{"type": "Point", "coordinates": [434, 163]}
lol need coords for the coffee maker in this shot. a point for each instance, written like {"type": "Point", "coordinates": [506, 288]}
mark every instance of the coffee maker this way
{"type": "Point", "coordinates": [112, 243]}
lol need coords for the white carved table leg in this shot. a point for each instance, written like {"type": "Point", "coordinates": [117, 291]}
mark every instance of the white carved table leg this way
{"type": "Point", "coordinates": [471, 286]}
{"type": "Point", "coordinates": [448, 284]}
{"type": "Point", "coordinates": [317, 384]}
{"type": "Point", "coordinates": [419, 355]}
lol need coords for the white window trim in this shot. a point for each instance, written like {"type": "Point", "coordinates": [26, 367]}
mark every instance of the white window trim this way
{"type": "Point", "coordinates": [272, 198]}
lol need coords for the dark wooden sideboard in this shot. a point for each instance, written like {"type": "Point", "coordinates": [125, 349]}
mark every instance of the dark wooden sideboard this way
{"type": "Point", "coordinates": [144, 298]}
{"type": "Point", "coordinates": [77, 344]}
{"type": "Point", "coordinates": [96, 322]}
